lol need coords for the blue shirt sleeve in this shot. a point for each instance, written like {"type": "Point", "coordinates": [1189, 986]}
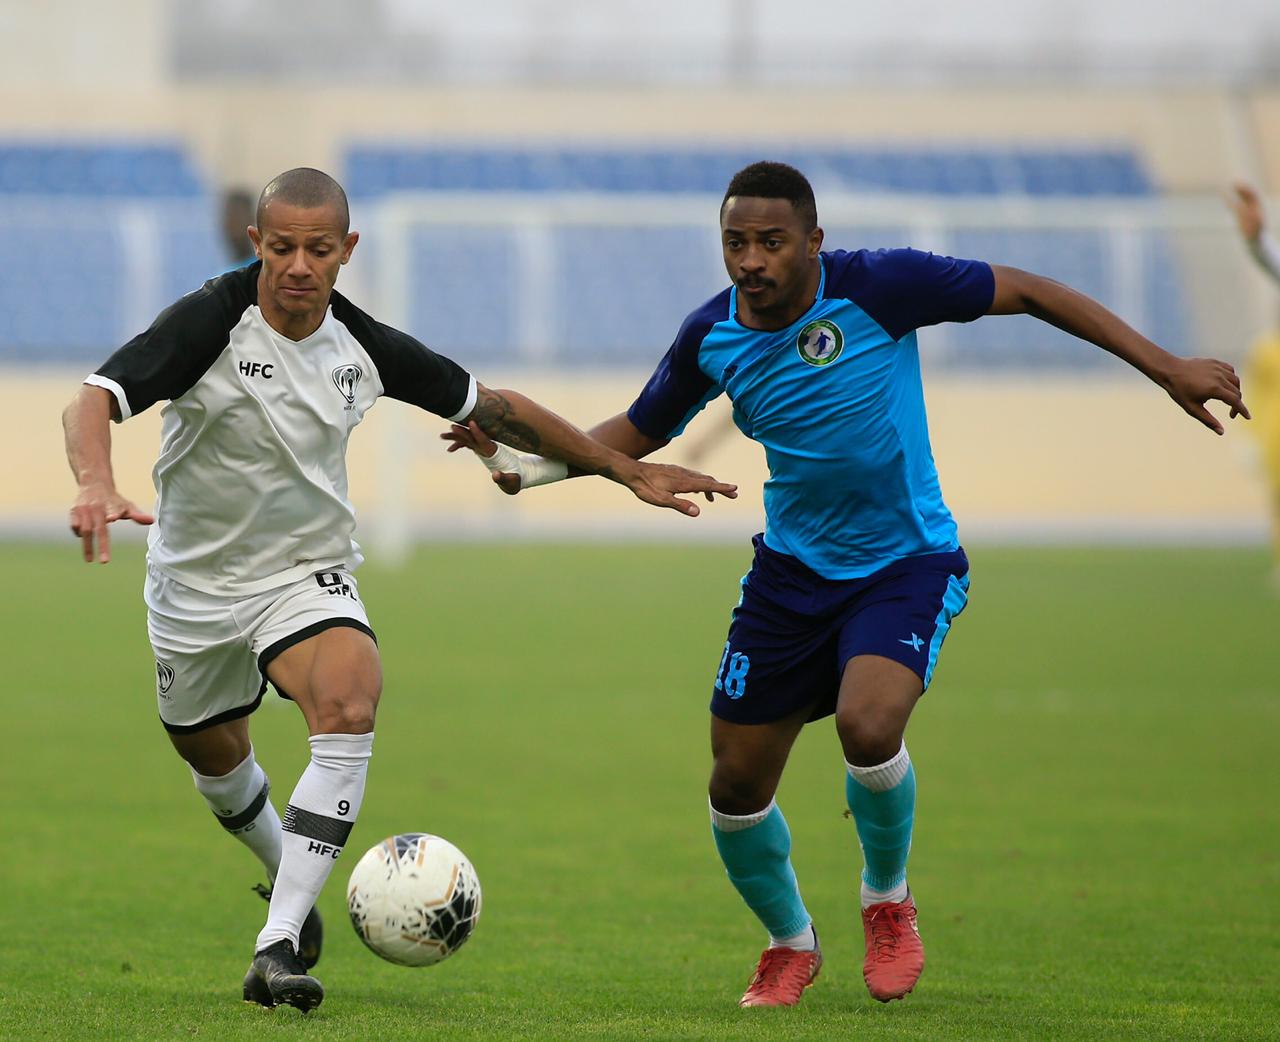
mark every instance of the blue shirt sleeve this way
{"type": "Point", "coordinates": [678, 389]}
{"type": "Point", "coordinates": [907, 289]}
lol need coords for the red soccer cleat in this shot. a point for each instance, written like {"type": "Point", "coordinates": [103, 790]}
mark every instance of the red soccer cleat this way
{"type": "Point", "coordinates": [782, 976]}
{"type": "Point", "coordinates": [895, 953]}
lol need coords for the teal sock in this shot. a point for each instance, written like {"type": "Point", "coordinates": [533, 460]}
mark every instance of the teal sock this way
{"type": "Point", "coordinates": [883, 802]}
{"type": "Point", "coordinates": [756, 851]}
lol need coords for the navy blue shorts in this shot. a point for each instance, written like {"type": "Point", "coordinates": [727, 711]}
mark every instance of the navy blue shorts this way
{"type": "Point", "coordinates": [794, 631]}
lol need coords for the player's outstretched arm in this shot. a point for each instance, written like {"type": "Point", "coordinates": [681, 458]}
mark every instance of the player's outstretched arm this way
{"type": "Point", "coordinates": [507, 418]}
{"type": "Point", "coordinates": [1191, 382]}
{"type": "Point", "coordinates": [514, 471]}
{"type": "Point", "coordinates": [86, 422]}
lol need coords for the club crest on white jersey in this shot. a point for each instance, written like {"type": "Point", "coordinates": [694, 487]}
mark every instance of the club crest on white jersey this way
{"type": "Point", "coordinates": [164, 677]}
{"type": "Point", "coordinates": [345, 379]}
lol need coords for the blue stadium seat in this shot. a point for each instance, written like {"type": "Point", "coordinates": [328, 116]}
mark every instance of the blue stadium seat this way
{"type": "Point", "coordinates": [628, 292]}
{"type": "Point", "coordinates": [373, 170]}
{"type": "Point", "coordinates": [96, 170]}
{"type": "Point", "coordinates": [67, 210]}
{"type": "Point", "coordinates": [69, 215]}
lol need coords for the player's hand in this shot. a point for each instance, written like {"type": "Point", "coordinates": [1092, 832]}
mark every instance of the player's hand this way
{"type": "Point", "coordinates": [657, 483]}
{"type": "Point", "coordinates": [1194, 381]}
{"type": "Point", "coordinates": [96, 507]}
{"type": "Point", "coordinates": [473, 438]}
{"type": "Point", "coordinates": [1247, 207]}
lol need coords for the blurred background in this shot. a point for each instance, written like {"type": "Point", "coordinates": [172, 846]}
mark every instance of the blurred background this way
{"type": "Point", "coordinates": [537, 183]}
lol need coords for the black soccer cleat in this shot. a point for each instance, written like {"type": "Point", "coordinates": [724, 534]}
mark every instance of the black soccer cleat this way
{"type": "Point", "coordinates": [279, 970]}
{"type": "Point", "coordinates": [256, 990]}
{"type": "Point", "coordinates": [310, 939]}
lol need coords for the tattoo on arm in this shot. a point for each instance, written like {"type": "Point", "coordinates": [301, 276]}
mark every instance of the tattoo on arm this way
{"type": "Point", "coordinates": [493, 416]}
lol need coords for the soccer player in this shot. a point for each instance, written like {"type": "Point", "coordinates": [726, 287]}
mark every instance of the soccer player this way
{"type": "Point", "coordinates": [249, 564]}
{"type": "Point", "coordinates": [238, 213]}
{"type": "Point", "coordinates": [859, 573]}
{"type": "Point", "coordinates": [1246, 204]}
{"type": "Point", "coordinates": [1263, 367]}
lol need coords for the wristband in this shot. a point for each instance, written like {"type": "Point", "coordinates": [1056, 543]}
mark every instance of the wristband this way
{"type": "Point", "coordinates": [538, 470]}
{"type": "Point", "coordinates": [533, 470]}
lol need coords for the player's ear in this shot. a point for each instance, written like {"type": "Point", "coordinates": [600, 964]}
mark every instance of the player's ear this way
{"type": "Point", "coordinates": [815, 241]}
{"type": "Point", "coordinates": [255, 237]}
{"type": "Point", "coordinates": [349, 244]}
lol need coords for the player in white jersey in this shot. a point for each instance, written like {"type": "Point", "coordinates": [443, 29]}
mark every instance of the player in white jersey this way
{"type": "Point", "coordinates": [266, 370]}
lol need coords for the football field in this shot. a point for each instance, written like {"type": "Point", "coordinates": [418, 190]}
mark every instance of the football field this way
{"type": "Point", "coordinates": [1097, 846]}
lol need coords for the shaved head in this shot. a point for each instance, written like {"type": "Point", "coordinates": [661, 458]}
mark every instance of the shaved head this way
{"type": "Point", "coordinates": [307, 189]}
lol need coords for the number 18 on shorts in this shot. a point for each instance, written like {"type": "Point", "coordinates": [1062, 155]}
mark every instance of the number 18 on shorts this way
{"type": "Point", "coordinates": [732, 676]}
{"type": "Point", "coordinates": [793, 631]}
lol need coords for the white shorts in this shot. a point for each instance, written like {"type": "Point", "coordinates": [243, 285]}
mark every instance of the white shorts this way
{"type": "Point", "coordinates": [212, 652]}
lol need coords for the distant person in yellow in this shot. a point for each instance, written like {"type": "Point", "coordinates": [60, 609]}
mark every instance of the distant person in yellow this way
{"type": "Point", "coordinates": [1263, 373]}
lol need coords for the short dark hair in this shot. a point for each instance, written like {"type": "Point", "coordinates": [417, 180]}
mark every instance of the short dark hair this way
{"type": "Point", "coordinates": [306, 187]}
{"type": "Point", "coordinates": [767, 180]}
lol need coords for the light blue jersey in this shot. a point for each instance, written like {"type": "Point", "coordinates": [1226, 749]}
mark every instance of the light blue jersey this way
{"type": "Point", "coordinates": [836, 400]}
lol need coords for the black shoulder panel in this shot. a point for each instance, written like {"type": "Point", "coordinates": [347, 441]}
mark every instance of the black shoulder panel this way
{"type": "Point", "coordinates": [410, 371]}
{"type": "Point", "coordinates": [167, 360]}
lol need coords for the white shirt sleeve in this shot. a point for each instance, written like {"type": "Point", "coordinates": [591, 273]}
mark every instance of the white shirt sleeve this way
{"type": "Point", "coordinates": [1266, 251]}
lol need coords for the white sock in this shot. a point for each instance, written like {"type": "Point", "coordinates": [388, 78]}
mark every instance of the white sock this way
{"type": "Point", "coordinates": [882, 776]}
{"type": "Point", "coordinates": [737, 822]}
{"type": "Point", "coordinates": [805, 941]}
{"type": "Point", "coordinates": [874, 897]}
{"type": "Point", "coordinates": [239, 802]}
{"type": "Point", "coordinates": [317, 822]}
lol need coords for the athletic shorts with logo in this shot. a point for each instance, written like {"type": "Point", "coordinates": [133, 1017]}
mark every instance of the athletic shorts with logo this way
{"type": "Point", "coordinates": [212, 652]}
{"type": "Point", "coordinates": [793, 631]}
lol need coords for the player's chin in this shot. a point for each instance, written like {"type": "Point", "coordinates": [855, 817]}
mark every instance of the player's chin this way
{"type": "Point", "coordinates": [297, 303]}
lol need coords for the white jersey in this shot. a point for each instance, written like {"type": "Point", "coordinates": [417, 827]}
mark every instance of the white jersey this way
{"type": "Point", "coordinates": [1266, 251]}
{"type": "Point", "coordinates": [251, 482]}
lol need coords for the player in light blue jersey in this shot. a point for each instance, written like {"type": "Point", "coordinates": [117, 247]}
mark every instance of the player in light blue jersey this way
{"type": "Point", "coordinates": [859, 572]}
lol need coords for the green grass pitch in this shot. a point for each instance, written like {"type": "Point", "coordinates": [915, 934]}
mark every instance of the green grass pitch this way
{"type": "Point", "coordinates": [1097, 851]}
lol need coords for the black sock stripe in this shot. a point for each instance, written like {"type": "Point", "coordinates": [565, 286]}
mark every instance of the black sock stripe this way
{"type": "Point", "coordinates": [333, 831]}
{"type": "Point", "coordinates": [238, 821]}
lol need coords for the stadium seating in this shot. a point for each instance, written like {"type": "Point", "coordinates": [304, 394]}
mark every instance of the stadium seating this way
{"type": "Point", "coordinates": [619, 297]}
{"type": "Point", "coordinates": [96, 238]}
{"type": "Point", "coordinates": [113, 170]}
{"type": "Point", "coordinates": [374, 170]}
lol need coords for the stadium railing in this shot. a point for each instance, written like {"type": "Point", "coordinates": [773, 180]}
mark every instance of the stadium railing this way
{"type": "Point", "coordinates": [598, 280]}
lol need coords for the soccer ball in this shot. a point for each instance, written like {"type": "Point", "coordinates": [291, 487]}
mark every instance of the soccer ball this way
{"type": "Point", "coordinates": [414, 899]}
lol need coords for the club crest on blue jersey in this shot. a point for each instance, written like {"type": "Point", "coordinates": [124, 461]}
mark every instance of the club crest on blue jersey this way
{"type": "Point", "coordinates": [345, 378]}
{"type": "Point", "coordinates": [820, 342]}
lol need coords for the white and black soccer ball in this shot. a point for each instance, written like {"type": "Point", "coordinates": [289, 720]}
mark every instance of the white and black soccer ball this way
{"type": "Point", "coordinates": [414, 899]}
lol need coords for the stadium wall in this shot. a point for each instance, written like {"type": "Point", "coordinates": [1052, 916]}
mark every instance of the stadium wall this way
{"type": "Point", "coordinates": [1080, 460]}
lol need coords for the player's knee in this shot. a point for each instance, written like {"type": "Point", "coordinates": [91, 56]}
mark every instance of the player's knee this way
{"type": "Point", "coordinates": [349, 713]}
{"type": "Point", "coordinates": [869, 735]}
{"type": "Point", "coordinates": [737, 791]}
{"type": "Point", "coordinates": [215, 752]}
{"type": "Point", "coordinates": [214, 763]}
